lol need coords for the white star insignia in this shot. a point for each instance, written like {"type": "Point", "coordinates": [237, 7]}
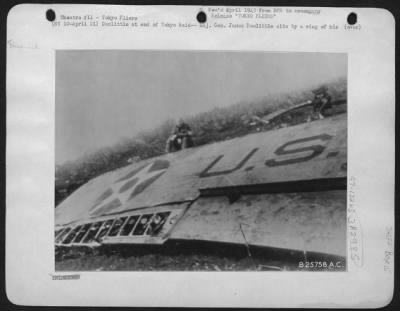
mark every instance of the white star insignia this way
{"type": "Point", "coordinates": [127, 187]}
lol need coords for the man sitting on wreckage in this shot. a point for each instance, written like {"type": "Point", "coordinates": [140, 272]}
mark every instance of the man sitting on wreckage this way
{"type": "Point", "coordinates": [321, 102]}
{"type": "Point", "coordinates": [180, 138]}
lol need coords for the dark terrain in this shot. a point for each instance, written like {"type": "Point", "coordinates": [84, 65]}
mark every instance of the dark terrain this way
{"type": "Point", "coordinates": [187, 256]}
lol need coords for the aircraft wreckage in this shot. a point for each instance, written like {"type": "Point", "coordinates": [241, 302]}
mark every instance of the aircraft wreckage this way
{"type": "Point", "coordinates": [283, 189]}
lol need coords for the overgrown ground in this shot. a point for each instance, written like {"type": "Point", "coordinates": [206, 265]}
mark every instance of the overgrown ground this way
{"type": "Point", "coordinates": [189, 256]}
{"type": "Point", "coordinates": [155, 262]}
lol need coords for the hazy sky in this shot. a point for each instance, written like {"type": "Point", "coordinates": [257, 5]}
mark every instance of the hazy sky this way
{"type": "Point", "coordinates": [102, 96]}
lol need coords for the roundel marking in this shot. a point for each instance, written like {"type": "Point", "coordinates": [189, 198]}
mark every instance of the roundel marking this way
{"type": "Point", "coordinates": [128, 187]}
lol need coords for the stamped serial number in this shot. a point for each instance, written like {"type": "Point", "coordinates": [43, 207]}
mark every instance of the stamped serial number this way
{"type": "Point", "coordinates": [322, 265]}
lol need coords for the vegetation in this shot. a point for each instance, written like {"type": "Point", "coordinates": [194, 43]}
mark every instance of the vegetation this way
{"type": "Point", "coordinates": [212, 126]}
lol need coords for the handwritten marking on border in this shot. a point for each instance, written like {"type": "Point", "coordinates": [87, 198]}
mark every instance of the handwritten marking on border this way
{"type": "Point", "coordinates": [14, 45]}
{"type": "Point", "coordinates": [388, 253]}
{"type": "Point", "coordinates": [354, 227]}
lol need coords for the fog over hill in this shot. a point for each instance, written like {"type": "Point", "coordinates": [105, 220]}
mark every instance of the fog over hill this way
{"type": "Point", "coordinates": [105, 96]}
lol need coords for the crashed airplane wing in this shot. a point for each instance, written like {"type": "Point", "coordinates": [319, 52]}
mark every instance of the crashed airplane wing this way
{"type": "Point", "coordinates": [282, 189]}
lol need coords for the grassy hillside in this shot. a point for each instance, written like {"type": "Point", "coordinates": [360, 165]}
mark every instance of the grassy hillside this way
{"type": "Point", "coordinates": [211, 126]}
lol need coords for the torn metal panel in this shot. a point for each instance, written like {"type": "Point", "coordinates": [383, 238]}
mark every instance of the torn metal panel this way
{"type": "Point", "coordinates": [280, 112]}
{"type": "Point", "coordinates": [312, 221]}
{"type": "Point", "coordinates": [144, 226]}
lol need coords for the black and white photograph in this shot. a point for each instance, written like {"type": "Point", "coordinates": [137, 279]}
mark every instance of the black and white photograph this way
{"type": "Point", "coordinates": [200, 156]}
{"type": "Point", "coordinates": [181, 160]}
